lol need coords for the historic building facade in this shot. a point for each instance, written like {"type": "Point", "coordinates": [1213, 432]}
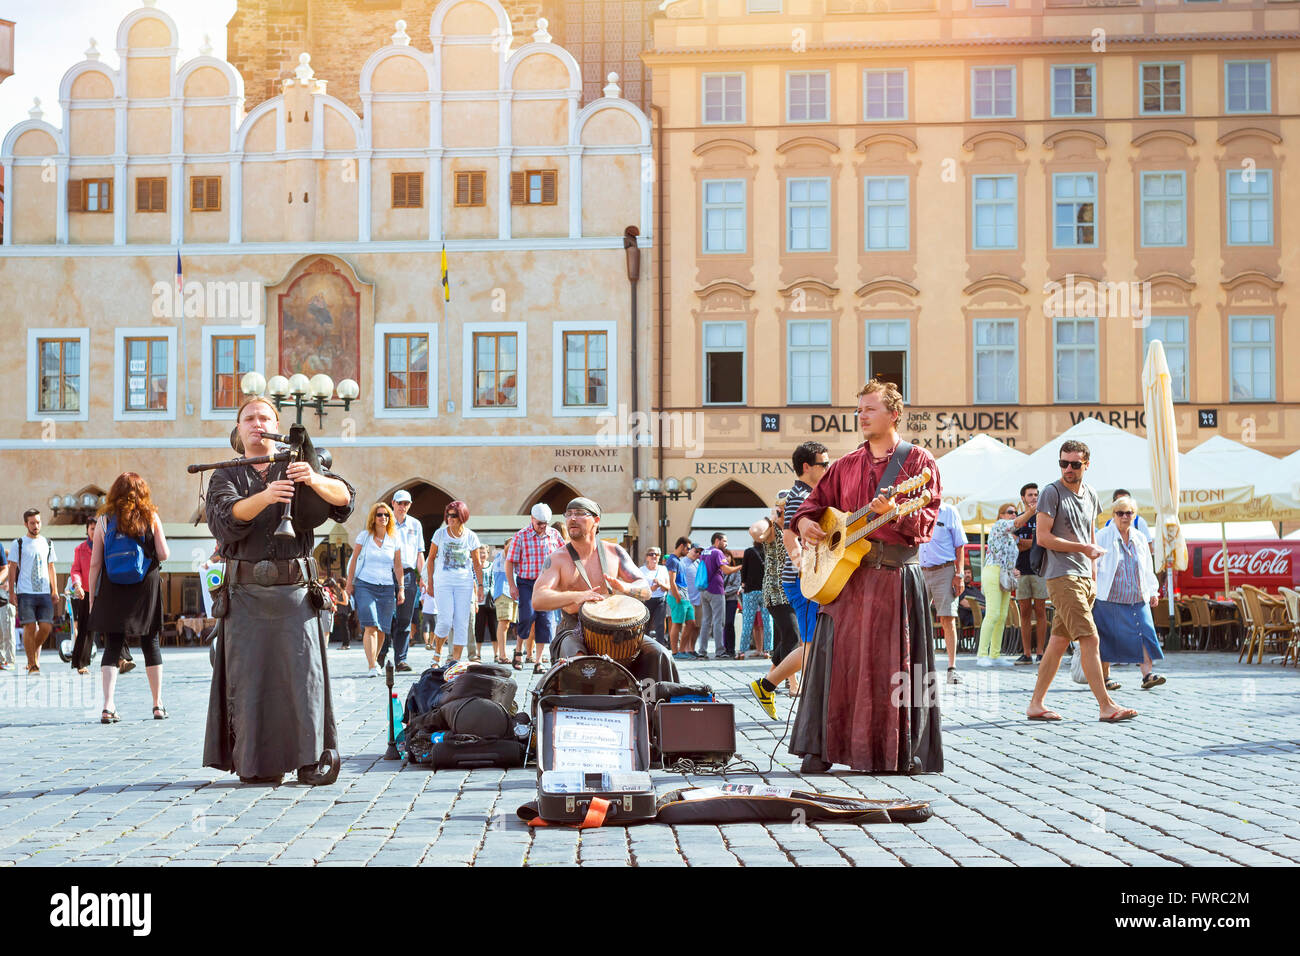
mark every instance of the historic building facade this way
{"type": "Point", "coordinates": [996, 205]}
{"type": "Point", "coordinates": [310, 241]}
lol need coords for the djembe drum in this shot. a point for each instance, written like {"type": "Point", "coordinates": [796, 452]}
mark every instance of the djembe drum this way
{"type": "Point", "coordinates": [614, 627]}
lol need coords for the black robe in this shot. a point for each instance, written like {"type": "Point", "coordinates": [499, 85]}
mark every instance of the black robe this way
{"type": "Point", "coordinates": [269, 709]}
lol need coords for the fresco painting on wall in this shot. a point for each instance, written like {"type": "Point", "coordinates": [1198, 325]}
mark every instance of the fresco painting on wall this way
{"type": "Point", "coordinates": [320, 325]}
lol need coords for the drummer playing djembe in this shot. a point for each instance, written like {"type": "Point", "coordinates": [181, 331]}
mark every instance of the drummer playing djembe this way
{"type": "Point", "coordinates": [601, 569]}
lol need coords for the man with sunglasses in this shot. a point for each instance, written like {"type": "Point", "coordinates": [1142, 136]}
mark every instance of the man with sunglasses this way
{"type": "Point", "coordinates": [1069, 509]}
{"type": "Point", "coordinates": [525, 555]}
{"type": "Point", "coordinates": [589, 569]}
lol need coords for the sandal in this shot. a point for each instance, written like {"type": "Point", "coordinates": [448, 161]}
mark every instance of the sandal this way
{"type": "Point", "coordinates": [108, 717]}
{"type": "Point", "coordinates": [517, 661]}
{"type": "Point", "coordinates": [1125, 713]}
{"type": "Point", "coordinates": [1112, 685]}
{"type": "Point", "coordinates": [160, 713]}
{"type": "Point", "coordinates": [537, 668]}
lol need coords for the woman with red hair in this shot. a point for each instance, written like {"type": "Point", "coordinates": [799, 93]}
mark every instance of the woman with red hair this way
{"type": "Point", "coordinates": [457, 576]}
{"type": "Point", "coordinates": [124, 588]}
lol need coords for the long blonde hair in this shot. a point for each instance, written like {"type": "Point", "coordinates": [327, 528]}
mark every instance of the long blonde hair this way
{"type": "Point", "coordinates": [391, 528]}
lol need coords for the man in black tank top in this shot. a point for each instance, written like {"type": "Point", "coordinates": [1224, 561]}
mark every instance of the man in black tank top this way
{"type": "Point", "coordinates": [601, 568]}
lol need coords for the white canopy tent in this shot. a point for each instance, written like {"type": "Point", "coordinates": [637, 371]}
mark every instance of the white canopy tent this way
{"type": "Point", "coordinates": [967, 467]}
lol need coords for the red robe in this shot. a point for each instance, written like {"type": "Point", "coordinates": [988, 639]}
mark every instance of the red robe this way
{"type": "Point", "coordinates": [869, 696]}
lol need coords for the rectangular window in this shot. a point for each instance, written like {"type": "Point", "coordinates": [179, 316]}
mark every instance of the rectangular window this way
{"type": "Point", "coordinates": [995, 219]}
{"type": "Point", "coordinates": [408, 190]}
{"type": "Point", "coordinates": [886, 215]}
{"type": "Point", "coordinates": [1076, 360]}
{"type": "Point", "coordinates": [993, 92]}
{"type": "Point", "coordinates": [1075, 203]}
{"type": "Point", "coordinates": [1246, 86]}
{"type": "Point", "coordinates": [1164, 209]}
{"type": "Point", "coordinates": [724, 98]}
{"type": "Point", "coordinates": [807, 97]}
{"type": "Point", "coordinates": [884, 94]}
{"type": "Point", "coordinates": [997, 362]}
{"type": "Point", "coordinates": [762, 6]}
{"type": "Point", "coordinates": [1250, 207]}
{"type": "Point", "coordinates": [724, 215]}
{"type": "Point", "coordinates": [60, 375]}
{"type": "Point", "coordinates": [151, 194]}
{"type": "Point", "coordinates": [471, 188]}
{"type": "Point", "coordinates": [496, 369]}
{"type": "Point", "coordinates": [808, 215]}
{"type": "Point", "coordinates": [534, 187]}
{"type": "Point", "coordinates": [1251, 357]}
{"type": "Point", "coordinates": [146, 375]}
{"type": "Point", "coordinates": [232, 358]}
{"type": "Point", "coordinates": [406, 371]}
{"type": "Point", "coordinates": [808, 358]}
{"type": "Point", "coordinates": [90, 195]}
{"type": "Point", "coordinates": [888, 342]}
{"type": "Point", "coordinates": [205, 194]}
{"type": "Point", "coordinates": [724, 363]}
{"type": "Point", "coordinates": [1162, 87]}
{"type": "Point", "coordinates": [1172, 333]}
{"type": "Point", "coordinates": [586, 369]}
{"type": "Point", "coordinates": [1073, 90]}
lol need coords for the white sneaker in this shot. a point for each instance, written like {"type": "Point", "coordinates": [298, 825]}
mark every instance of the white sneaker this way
{"type": "Point", "coordinates": [373, 672]}
{"type": "Point", "coordinates": [983, 662]}
{"type": "Point", "coordinates": [1004, 661]}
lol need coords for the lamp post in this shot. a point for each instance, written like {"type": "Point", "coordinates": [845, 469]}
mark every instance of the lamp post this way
{"type": "Point", "coordinates": [81, 507]}
{"type": "Point", "coordinates": [299, 392]}
{"type": "Point", "coordinates": [670, 489]}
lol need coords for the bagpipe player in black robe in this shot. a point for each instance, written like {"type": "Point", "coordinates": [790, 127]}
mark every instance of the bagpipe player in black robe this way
{"type": "Point", "coordinates": [269, 709]}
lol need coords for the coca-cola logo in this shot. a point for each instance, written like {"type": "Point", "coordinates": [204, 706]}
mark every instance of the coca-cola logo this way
{"type": "Point", "coordinates": [1263, 561]}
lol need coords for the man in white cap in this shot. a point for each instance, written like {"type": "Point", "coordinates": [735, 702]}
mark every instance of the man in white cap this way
{"type": "Point", "coordinates": [410, 539]}
{"type": "Point", "coordinates": [525, 555]}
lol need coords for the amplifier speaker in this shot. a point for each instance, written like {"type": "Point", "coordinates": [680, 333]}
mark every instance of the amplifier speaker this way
{"type": "Point", "coordinates": [703, 732]}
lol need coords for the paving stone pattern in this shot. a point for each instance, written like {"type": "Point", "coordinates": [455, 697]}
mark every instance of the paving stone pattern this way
{"type": "Point", "coordinates": [1208, 774]}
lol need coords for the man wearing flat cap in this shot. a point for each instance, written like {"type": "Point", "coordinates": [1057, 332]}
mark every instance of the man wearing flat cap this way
{"type": "Point", "coordinates": [525, 555]}
{"type": "Point", "coordinates": [589, 569]}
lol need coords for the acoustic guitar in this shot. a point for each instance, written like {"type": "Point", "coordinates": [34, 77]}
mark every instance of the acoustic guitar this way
{"type": "Point", "coordinates": [827, 567]}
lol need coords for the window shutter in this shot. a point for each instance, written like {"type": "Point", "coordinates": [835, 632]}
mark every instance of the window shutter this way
{"type": "Point", "coordinates": [158, 195]}
{"type": "Point", "coordinates": [399, 191]}
{"type": "Point", "coordinates": [213, 197]}
{"type": "Point", "coordinates": [75, 199]}
{"type": "Point", "coordinates": [463, 189]}
{"type": "Point", "coordinates": [518, 189]}
{"type": "Point", "coordinates": [108, 191]}
{"type": "Point", "coordinates": [143, 195]}
{"type": "Point", "coordinates": [548, 187]}
{"type": "Point", "coordinates": [196, 194]}
{"type": "Point", "coordinates": [477, 189]}
{"type": "Point", "coordinates": [415, 190]}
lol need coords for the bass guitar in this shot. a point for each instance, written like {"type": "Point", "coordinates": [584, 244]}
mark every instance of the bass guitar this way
{"type": "Point", "coordinates": [827, 566]}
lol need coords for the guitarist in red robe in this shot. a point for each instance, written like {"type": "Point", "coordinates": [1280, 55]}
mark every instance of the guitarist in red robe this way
{"type": "Point", "coordinates": [869, 693]}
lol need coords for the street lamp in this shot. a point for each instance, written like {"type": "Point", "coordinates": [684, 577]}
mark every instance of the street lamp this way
{"type": "Point", "coordinates": [299, 392]}
{"type": "Point", "coordinates": [670, 489]}
{"type": "Point", "coordinates": [81, 507]}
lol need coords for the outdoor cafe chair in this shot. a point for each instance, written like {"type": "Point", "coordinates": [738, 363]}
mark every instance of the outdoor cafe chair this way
{"type": "Point", "coordinates": [1293, 617]}
{"type": "Point", "coordinates": [1266, 628]}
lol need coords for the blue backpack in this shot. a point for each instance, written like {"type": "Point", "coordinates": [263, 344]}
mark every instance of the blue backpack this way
{"type": "Point", "coordinates": [124, 558]}
{"type": "Point", "coordinates": [702, 573]}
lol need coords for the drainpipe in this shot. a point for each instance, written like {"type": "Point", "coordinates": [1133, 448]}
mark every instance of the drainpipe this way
{"type": "Point", "coordinates": [633, 277]}
{"type": "Point", "coordinates": [659, 284]}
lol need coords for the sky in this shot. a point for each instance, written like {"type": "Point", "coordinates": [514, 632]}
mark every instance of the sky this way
{"type": "Point", "coordinates": [51, 36]}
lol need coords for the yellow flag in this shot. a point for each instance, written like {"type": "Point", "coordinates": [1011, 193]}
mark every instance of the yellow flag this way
{"type": "Point", "coordinates": [446, 285]}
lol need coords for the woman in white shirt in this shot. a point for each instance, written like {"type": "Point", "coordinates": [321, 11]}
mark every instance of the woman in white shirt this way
{"type": "Point", "coordinates": [375, 566]}
{"type": "Point", "coordinates": [1126, 590]}
{"type": "Point", "coordinates": [457, 576]}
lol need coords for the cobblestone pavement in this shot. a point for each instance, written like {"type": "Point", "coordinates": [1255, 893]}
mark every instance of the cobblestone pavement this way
{"type": "Point", "coordinates": [1208, 774]}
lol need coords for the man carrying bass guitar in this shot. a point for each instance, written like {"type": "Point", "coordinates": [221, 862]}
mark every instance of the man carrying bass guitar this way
{"type": "Point", "coordinates": [869, 695]}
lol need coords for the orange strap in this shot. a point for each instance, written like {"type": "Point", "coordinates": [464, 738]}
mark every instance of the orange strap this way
{"type": "Point", "coordinates": [597, 810]}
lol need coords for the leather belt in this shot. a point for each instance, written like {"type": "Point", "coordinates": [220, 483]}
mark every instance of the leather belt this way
{"type": "Point", "coordinates": [931, 567]}
{"type": "Point", "coordinates": [890, 556]}
{"type": "Point", "coordinates": [268, 573]}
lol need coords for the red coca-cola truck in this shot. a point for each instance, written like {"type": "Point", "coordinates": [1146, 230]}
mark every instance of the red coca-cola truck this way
{"type": "Point", "coordinates": [1266, 564]}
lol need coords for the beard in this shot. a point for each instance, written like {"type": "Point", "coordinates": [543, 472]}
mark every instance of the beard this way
{"type": "Point", "coordinates": [577, 534]}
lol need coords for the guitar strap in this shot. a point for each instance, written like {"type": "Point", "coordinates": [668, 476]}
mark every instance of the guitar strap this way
{"type": "Point", "coordinates": [895, 463]}
{"type": "Point", "coordinates": [582, 572]}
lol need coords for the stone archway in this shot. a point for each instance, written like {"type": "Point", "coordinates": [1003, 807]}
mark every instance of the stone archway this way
{"type": "Point", "coordinates": [555, 494]}
{"type": "Point", "coordinates": [428, 504]}
{"type": "Point", "coordinates": [733, 494]}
